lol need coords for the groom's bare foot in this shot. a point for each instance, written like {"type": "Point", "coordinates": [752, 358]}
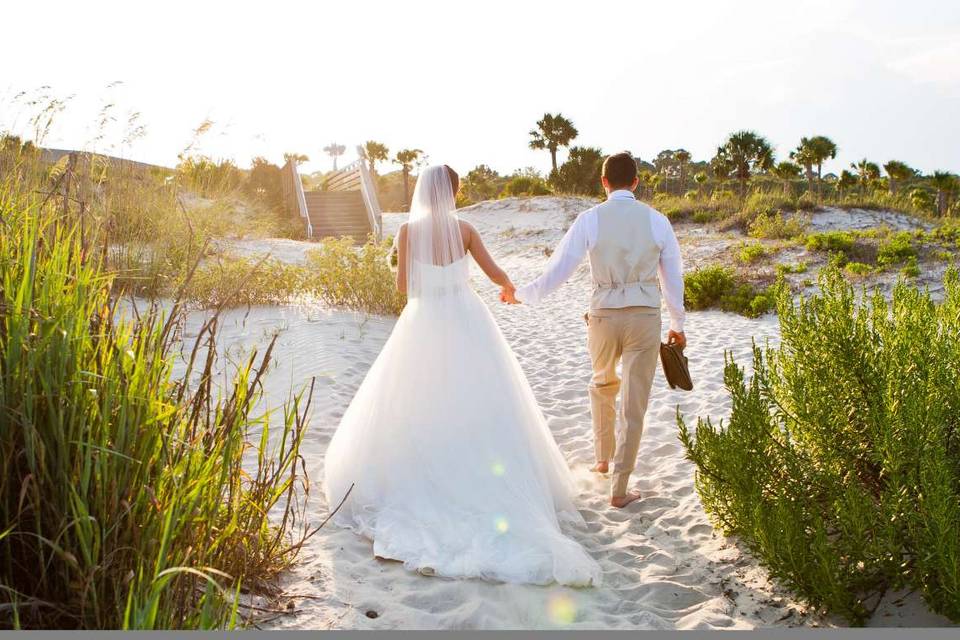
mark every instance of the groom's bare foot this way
{"type": "Point", "coordinates": [621, 501]}
{"type": "Point", "coordinates": [601, 467]}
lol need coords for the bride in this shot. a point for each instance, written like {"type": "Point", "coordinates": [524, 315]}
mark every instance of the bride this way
{"type": "Point", "coordinates": [454, 470]}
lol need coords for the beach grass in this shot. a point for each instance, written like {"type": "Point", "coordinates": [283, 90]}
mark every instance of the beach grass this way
{"type": "Point", "coordinates": [131, 497]}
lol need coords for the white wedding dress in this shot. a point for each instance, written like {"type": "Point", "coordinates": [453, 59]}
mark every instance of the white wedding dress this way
{"type": "Point", "coordinates": [454, 470]}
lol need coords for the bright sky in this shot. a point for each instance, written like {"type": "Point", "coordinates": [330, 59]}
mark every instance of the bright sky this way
{"type": "Point", "coordinates": [466, 81]}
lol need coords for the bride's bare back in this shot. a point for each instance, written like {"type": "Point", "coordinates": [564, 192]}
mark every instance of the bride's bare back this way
{"type": "Point", "coordinates": [472, 244]}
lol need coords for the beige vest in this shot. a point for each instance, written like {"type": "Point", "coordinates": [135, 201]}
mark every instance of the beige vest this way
{"type": "Point", "coordinates": [623, 262]}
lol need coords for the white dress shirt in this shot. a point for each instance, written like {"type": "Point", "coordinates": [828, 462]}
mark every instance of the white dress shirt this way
{"type": "Point", "coordinates": [582, 236]}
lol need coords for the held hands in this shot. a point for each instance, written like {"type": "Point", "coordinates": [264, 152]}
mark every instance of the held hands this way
{"type": "Point", "coordinates": [677, 338]}
{"type": "Point", "coordinates": [507, 294]}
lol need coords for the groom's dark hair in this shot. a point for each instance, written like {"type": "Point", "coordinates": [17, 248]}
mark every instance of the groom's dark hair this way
{"type": "Point", "coordinates": [620, 170]}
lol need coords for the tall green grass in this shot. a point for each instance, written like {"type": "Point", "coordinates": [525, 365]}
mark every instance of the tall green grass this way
{"type": "Point", "coordinates": [840, 464]}
{"type": "Point", "coordinates": [130, 497]}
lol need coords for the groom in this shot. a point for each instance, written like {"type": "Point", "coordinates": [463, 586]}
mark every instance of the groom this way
{"type": "Point", "coordinates": [631, 246]}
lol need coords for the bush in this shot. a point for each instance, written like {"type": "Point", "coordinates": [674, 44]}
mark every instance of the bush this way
{"type": "Point", "coordinates": [858, 268]}
{"type": "Point", "coordinates": [831, 241]}
{"type": "Point", "coordinates": [341, 275]}
{"type": "Point", "coordinates": [911, 269]}
{"type": "Point", "coordinates": [784, 269]}
{"type": "Point", "coordinates": [897, 249]}
{"type": "Point", "coordinates": [704, 217]}
{"type": "Point", "coordinates": [717, 287]}
{"type": "Point", "coordinates": [236, 281]}
{"type": "Point", "coordinates": [523, 185]}
{"type": "Point", "coordinates": [750, 253]}
{"type": "Point", "coordinates": [580, 174]}
{"type": "Point", "coordinates": [776, 227]}
{"type": "Point", "coordinates": [839, 465]}
{"type": "Point", "coordinates": [701, 211]}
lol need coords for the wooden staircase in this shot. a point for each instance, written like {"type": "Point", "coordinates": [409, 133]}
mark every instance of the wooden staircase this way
{"type": "Point", "coordinates": [347, 206]}
{"type": "Point", "coordinates": [337, 214]}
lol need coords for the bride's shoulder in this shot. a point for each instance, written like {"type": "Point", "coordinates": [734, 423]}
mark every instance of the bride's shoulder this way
{"type": "Point", "coordinates": [467, 231]}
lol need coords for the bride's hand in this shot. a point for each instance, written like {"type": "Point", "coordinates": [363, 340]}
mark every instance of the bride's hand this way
{"type": "Point", "coordinates": [507, 295]}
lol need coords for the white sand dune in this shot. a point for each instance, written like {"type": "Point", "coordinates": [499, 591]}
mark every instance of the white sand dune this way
{"type": "Point", "coordinates": [664, 566]}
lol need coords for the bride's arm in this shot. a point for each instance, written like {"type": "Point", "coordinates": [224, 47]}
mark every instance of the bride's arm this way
{"type": "Point", "coordinates": [479, 252]}
{"type": "Point", "coordinates": [402, 259]}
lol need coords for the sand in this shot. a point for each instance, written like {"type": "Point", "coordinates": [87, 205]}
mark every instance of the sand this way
{"type": "Point", "coordinates": [664, 565]}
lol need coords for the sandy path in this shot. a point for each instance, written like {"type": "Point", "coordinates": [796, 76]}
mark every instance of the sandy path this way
{"type": "Point", "coordinates": [664, 566]}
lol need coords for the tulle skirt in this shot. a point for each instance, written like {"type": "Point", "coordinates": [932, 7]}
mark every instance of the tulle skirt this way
{"type": "Point", "coordinates": [454, 470]}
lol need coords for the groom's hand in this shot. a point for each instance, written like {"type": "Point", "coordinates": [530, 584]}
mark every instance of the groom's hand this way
{"type": "Point", "coordinates": [677, 338]}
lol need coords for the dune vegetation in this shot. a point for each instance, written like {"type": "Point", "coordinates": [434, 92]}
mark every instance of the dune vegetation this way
{"type": "Point", "coordinates": [839, 466]}
{"type": "Point", "coordinates": [132, 496]}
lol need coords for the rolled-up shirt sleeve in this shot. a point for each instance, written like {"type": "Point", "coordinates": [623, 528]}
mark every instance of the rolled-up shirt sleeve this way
{"type": "Point", "coordinates": [670, 272]}
{"type": "Point", "coordinates": [564, 261]}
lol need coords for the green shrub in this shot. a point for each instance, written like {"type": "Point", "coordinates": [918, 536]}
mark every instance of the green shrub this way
{"type": "Point", "coordinates": [858, 268]}
{"type": "Point", "coordinates": [341, 275]}
{"type": "Point", "coordinates": [699, 210]}
{"type": "Point", "coordinates": [896, 250]}
{"type": "Point", "coordinates": [237, 281]}
{"type": "Point", "coordinates": [724, 196]}
{"type": "Point", "coordinates": [839, 466]}
{"type": "Point", "coordinates": [525, 185]}
{"type": "Point", "coordinates": [776, 227]}
{"type": "Point", "coordinates": [717, 287]}
{"type": "Point", "coordinates": [831, 241]}
{"type": "Point", "coordinates": [807, 202]}
{"type": "Point", "coordinates": [704, 217]}
{"type": "Point", "coordinates": [783, 269]}
{"type": "Point", "coordinates": [750, 253]}
{"type": "Point", "coordinates": [760, 202]}
{"type": "Point", "coordinates": [911, 269]}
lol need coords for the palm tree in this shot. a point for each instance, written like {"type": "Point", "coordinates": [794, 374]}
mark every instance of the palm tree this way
{"type": "Point", "coordinates": [823, 149]}
{"type": "Point", "coordinates": [295, 158]}
{"type": "Point", "coordinates": [552, 132]}
{"type": "Point", "coordinates": [682, 156]}
{"type": "Point", "coordinates": [805, 157]}
{"type": "Point", "coordinates": [747, 153]}
{"type": "Point", "coordinates": [786, 171]}
{"type": "Point", "coordinates": [701, 179]}
{"type": "Point", "coordinates": [646, 182]}
{"type": "Point", "coordinates": [655, 181]}
{"type": "Point", "coordinates": [898, 172]}
{"type": "Point", "coordinates": [866, 172]}
{"type": "Point", "coordinates": [334, 150]}
{"type": "Point", "coordinates": [721, 167]}
{"type": "Point", "coordinates": [406, 159]}
{"type": "Point", "coordinates": [374, 152]}
{"type": "Point", "coordinates": [846, 181]}
{"type": "Point", "coordinates": [945, 183]}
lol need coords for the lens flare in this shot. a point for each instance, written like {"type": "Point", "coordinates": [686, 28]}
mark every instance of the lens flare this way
{"type": "Point", "coordinates": [498, 469]}
{"type": "Point", "coordinates": [501, 525]}
{"type": "Point", "coordinates": [562, 609]}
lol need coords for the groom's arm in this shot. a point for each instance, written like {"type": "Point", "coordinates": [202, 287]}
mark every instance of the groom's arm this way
{"type": "Point", "coordinates": [564, 261]}
{"type": "Point", "coordinates": [670, 272]}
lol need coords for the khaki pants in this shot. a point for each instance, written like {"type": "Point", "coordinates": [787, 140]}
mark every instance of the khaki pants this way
{"type": "Point", "coordinates": [632, 333]}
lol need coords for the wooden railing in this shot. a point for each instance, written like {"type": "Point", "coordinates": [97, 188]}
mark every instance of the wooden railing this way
{"type": "Point", "coordinates": [356, 176]}
{"type": "Point", "coordinates": [293, 198]}
{"type": "Point", "coordinates": [369, 190]}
